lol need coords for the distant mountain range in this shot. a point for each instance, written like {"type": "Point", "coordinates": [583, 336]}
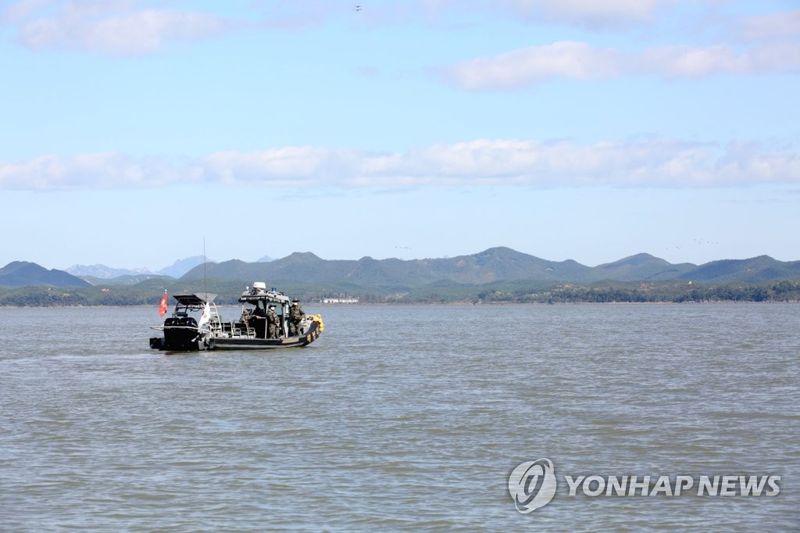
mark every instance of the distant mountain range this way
{"type": "Point", "coordinates": [95, 273]}
{"type": "Point", "coordinates": [490, 266]}
{"type": "Point", "coordinates": [103, 271]}
{"type": "Point", "coordinates": [182, 266]}
{"type": "Point", "coordinates": [24, 274]}
{"type": "Point", "coordinates": [127, 276]}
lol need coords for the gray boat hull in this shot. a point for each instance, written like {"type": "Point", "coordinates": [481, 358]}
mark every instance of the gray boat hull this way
{"type": "Point", "coordinates": [191, 342]}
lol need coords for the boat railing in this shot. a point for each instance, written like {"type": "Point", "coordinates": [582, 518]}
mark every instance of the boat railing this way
{"type": "Point", "coordinates": [236, 329]}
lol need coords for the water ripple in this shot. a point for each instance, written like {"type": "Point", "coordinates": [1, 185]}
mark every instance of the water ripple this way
{"type": "Point", "coordinates": [397, 418]}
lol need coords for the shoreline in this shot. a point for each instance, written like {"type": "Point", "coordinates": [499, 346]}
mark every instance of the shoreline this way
{"type": "Point", "coordinates": [447, 304]}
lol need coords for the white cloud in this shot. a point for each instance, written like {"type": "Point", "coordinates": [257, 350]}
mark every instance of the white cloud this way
{"type": "Point", "coordinates": [576, 60]}
{"type": "Point", "coordinates": [291, 165]}
{"type": "Point", "coordinates": [563, 59]}
{"type": "Point", "coordinates": [686, 61]}
{"type": "Point", "coordinates": [115, 27]}
{"type": "Point", "coordinates": [18, 11]}
{"type": "Point", "coordinates": [595, 14]}
{"type": "Point", "coordinates": [773, 26]}
{"type": "Point", "coordinates": [649, 162]}
{"type": "Point", "coordinates": [591, 14]}
{"type": "Point", "coordinates": [97, 170]}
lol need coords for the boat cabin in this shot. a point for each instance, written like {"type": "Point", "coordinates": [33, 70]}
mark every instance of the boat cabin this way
{"type": "Point", "coordinates": [194, 315]}
{"type": "Point", "coordinates": [256, 302]}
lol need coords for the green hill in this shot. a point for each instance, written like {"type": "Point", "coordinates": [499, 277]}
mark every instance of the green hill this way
{"type": "Point", "coordinates": [641, 267]}
{"type": "Point", "coordinates": [497, 274]}
{"type": "Point", "coordinates": [754, 270]}
{"type": "Point", "coordinates": [493, 265]}
{"type": "Point", "coordinates": [25, 274]}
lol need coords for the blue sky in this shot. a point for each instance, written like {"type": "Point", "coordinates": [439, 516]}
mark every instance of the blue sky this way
{"type": "Point", "coordinates": [590, 130]}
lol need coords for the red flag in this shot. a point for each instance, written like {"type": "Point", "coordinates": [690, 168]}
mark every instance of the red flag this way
{"type": "Point", "coordinates": [162, 307]}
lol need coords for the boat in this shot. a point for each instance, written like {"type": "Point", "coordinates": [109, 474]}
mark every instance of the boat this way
{"type": "Point", "coordinates": [196, 324]}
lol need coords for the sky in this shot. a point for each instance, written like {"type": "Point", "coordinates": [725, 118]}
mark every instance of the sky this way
{"type": "Point", "coordinates": [131, 131]}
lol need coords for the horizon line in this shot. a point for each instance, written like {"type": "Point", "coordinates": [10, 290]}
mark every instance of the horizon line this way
{"type": "Point", "coordinates": [368, 257]}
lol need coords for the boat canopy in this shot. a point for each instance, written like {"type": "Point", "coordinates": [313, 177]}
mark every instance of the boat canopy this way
{"type": "Point", "coordinates": [196, 299]}
{"type": "Point", "coordinates": [259, 293]}
{"type": "Point", "coordinates": [271, 297]}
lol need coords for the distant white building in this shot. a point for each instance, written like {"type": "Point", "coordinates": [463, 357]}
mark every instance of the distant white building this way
{"type": "Point", "coordinates": [340, 300]}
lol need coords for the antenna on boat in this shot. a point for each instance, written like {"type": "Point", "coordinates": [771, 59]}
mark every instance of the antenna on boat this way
{"type": "Point", "coordinates": [205, 287]}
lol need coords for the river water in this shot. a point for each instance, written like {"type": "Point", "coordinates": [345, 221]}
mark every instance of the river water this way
{"type": "Point", "coordinates": [399, 417]}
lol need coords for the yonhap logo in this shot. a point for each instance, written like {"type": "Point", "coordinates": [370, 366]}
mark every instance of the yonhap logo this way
{"type": "Point", "coordinates": [532, 484]}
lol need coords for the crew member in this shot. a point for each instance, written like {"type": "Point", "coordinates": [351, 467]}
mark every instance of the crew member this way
{"type": "Point", "coordinates": [273, 323]}
{"type": "Point", "coordinates": [296, 315]}
{"type": "Point", "coordinates": [257, 319]}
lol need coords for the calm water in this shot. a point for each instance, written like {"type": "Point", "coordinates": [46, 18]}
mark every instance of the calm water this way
{"type": "Point", "coordinates": [398, 417]}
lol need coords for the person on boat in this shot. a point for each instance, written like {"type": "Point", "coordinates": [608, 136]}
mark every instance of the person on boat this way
{"type": "Point", "coordinates": [259, 310]}
{"type": "Point", "coordinates": [273, 323]}
{"type": "Point", "coordinates": [296, 315]}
